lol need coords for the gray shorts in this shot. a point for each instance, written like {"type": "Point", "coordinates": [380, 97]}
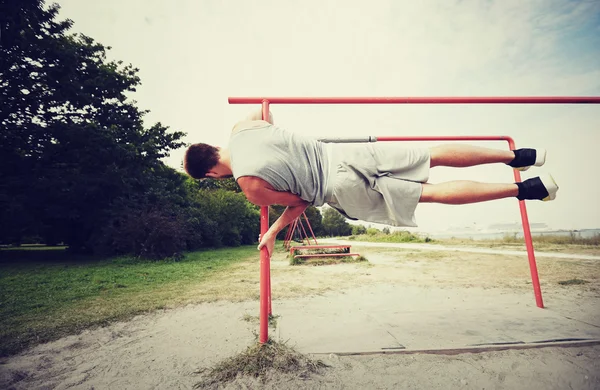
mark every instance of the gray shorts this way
{"type": "Point", "coordinates": [377, 182]}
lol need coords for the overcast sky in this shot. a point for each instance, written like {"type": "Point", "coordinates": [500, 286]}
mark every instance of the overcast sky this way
{"type": "Point", "coordinates": [193, 54]}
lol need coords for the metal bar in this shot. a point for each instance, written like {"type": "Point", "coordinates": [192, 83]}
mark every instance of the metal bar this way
{"type": "Point", "coordinates": [291, 235]}
{"type": "Point", "coordinates": [322, 247]}
{"type": "Point", "coordinates": [348, 140]}
{"type": "Point", "coordinates": [288, 235]}
{"type": "Point", "coordinates": [537, 291]}
{"type": "Point", "coordinates": [327, 255]}
{"type": "Point", "coordinates": [265, 275]}
{"type": "Point", "coordinates": [422, 100]}
{"type": "Point", "coordinates": [265, 285]}
{"type": "Point", "coordinates": [445, 138]}
{"type": "Point", "coordinates": [310, 227]}
{"type": "Point", "coordinates": [535, 280]}
{"type": "Point", "coordinates": [304, 231]}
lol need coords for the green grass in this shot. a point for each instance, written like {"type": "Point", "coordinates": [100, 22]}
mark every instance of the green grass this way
{"type": "Point", "coordinates": [573, 242]}
{"type": "Point", "coordinates": [399, 236]}
{"type": "Point", "coordinates": [572, 239]}
{"type": "Point", "coordinates": [45, 295]}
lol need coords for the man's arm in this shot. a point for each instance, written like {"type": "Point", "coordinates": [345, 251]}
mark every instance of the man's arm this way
{"type": "Point", "coordinates": [262, 193]}
{"type": "Point", "coordinates": [287, 217]}
{"type": "Point", "coordinates": [257, 116]}
{"type": "Point", "coordinates": [253, 120]}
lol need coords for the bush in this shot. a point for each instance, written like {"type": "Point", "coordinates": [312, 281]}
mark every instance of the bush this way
{"type": "Point", "coordinates": [372, 231]}
{"type": "Point", "coordinates": [358, 229]}
{"type": "Point", "coordinates": [374, 235]}
{"type": "Point", "coordinates": [235, 220]}
{"type": "Point", "coordinates": [152, 233]}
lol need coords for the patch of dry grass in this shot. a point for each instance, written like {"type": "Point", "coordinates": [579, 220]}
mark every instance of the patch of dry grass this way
{"type": "Point", "coordinates": [571, 282]}
{"type": "Point", "coordinates": [548, 243]}
{"type": "Point", "coordinates": [256, 320]}
{"type": "Point", "coordinates": [259, 361]}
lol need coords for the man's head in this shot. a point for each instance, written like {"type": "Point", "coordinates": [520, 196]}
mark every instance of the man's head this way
{"type": "Point", "coordinates": [202, 160]}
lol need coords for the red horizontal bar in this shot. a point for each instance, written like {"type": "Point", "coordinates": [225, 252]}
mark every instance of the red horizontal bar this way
{"type": "Point", "coordinates": [298, 247]}
{"type": "Point", "coordinates": [328, 255]}
{"type": "Point", "coordinates": [319, 246]}
{"type": "Point", "coordinates": [446, 138]}
{"type": "Point", "coordinates": [421, 100]}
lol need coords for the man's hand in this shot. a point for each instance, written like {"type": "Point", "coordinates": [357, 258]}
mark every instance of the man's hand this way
{"type": "Point", "coordinates": [268, 241]}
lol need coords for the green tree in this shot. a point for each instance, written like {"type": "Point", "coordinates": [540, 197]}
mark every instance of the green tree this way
{"type": "Point", "coordinates": [358, 229]}
{"type": "Point", "coordinates": [334, 223]}
{"type": "Point", "coordinates": [73, 145]}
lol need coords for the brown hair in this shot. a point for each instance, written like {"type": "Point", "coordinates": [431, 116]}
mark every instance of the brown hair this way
{"type": "Point", "coordinates": [199, 159]}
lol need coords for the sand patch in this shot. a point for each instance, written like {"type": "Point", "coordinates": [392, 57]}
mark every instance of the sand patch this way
{"type": "Point", "coordinates": [395, 290]}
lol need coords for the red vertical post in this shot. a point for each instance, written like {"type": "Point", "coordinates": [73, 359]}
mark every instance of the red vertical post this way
{"type": "Point", "coordinates": [535, 280]}
{"type": "Point", "coordinates": [288, 234]}
{"type": "Point", "coordinates": [310, 227]}
{"type": "Point", "coordinates": [304, 231]}
{"type": "Point", "coordinates": [293, 232]}
{"type": "Point", "coordinates": [265, 262]}
{"type": "Point", "coordinates": [524, 218]}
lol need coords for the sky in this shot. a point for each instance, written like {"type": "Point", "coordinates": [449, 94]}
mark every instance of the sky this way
{"type": "Point", "coordinates": [192, 55]}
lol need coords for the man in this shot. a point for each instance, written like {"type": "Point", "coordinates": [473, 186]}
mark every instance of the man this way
{"type": "Point", "coordinates": [378, 182]}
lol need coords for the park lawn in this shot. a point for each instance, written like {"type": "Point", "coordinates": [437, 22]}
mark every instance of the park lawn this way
{"type": "Point", "coordinates": [47, 294]}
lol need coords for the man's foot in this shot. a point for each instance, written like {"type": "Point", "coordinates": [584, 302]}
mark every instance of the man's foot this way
{"type": "Point", "coordinates": [539, 188]}
{"type": "Point", "coordinates": [526, 158]}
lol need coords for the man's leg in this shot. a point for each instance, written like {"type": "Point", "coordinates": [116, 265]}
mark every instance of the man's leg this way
{"type": "Point", "coordinates": [452, 155]}
{"type": "Point", "coordinates": [464, 192]}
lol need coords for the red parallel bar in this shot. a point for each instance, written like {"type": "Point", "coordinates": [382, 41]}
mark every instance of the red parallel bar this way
{"type": "Point", "coordinates": [421, 100]}
{"type": "Point", "coordinates": [311, 231]}
{"type": "Point", "coordinates": [304, 231]}
{"type": "Point", "coordinates": [290, 235]}
{"type": "Point", "coordinates": [524, 218]}
{"type": "Point", "coordinates": [287, 233]}
{"type": "Point", "coordinates": [535, 280]}
{"type": "Point", "coordinates": [446, 138]}
{"type": "Point", "coordinates": [265, 266]}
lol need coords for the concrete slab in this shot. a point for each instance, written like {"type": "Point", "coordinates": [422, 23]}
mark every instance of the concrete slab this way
{"type": "Point", "coordinates": [412, 318]}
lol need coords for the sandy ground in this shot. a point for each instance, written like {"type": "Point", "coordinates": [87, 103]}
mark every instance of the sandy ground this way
{"type": "Point", "coordinates": [401, 301]}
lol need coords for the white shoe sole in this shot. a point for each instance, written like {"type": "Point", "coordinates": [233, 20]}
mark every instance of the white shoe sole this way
{"type": "Point", "coordinates": [550, 185]}
{"type": "Point", "coordinates": [540, 159]}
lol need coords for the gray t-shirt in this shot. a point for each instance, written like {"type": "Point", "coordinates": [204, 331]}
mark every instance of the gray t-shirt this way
{"type": "Point", "coordinates": [288, 161]}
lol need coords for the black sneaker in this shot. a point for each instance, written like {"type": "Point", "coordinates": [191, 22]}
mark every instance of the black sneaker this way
{"type": "Point", "coordinates": [526, 158]}
{"type": "Point", "coordinates": [539, 188]}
